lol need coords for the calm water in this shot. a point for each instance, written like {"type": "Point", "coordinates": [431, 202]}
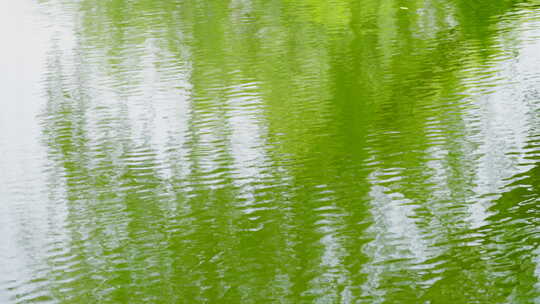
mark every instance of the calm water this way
{"type": "Point", "coordinates": [270, 151]}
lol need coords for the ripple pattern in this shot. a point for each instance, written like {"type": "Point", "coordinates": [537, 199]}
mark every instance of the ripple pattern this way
{"type": "Point", "coordinates": [278, 151]}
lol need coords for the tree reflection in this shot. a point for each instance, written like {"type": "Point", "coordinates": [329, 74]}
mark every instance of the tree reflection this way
{"type": "Point", "coordinates": [307, 151]}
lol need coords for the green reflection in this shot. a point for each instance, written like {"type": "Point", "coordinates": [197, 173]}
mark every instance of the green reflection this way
{"type": "Point", "coordinates": [290, 151]}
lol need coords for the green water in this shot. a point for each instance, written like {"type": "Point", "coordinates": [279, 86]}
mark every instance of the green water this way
{"type": "Point", "coordinates": [270, 151]}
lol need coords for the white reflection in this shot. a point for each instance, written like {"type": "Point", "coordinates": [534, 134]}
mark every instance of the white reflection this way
{"type": "Point", "coordinates": [396, 238]}
{"type": "Point", "coordinates": [503, 119]}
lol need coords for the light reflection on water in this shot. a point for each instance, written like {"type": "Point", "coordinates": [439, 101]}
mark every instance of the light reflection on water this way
{"type": "Point", "coordinates": [281, 151]}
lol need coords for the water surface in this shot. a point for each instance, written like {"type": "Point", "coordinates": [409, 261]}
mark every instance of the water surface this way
{"type": "Point", "coordinates": [282, 151]}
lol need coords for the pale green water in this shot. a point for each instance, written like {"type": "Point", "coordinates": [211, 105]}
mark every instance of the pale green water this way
{"type": "Point", "coordinates": [272, 151]}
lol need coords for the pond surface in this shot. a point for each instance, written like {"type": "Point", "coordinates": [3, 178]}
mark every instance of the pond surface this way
{"type": "Point", "coordinates": [270, 151]}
